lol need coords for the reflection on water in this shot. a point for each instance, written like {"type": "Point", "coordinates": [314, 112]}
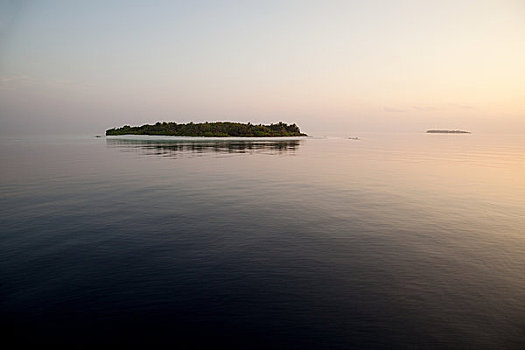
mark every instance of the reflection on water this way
{"type": "Point", "coordinates": [178, 148]}
{"type": "Point", "coordinates": [392, 242]}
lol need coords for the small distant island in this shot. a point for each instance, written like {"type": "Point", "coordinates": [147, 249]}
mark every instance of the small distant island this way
{"type": "Point", "coordinates": [448, 132]}
{"type": "Point", "coordinates": [214, 129]}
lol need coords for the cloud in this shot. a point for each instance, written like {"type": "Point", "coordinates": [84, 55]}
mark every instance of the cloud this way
{"type": "Point", "coordinates": [394, 110]}
{"type": "Point", "coordinates": [426, 108]}
{"type": "Point", "coordinates": [460, 106]}
{"type": "Point", "coordinates": [10, 82]}
{"type": "Point", "coordinates": [14, 82]}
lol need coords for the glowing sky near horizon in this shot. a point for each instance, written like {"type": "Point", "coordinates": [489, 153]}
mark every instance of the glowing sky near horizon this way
{"type": "Point", "coordinates": [329, 66]}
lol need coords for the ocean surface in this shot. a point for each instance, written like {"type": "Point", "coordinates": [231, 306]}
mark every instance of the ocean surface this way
{"type": "Point", "coordinates": [395, 241]}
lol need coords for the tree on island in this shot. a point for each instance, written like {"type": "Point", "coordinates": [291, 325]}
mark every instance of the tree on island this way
{"type": "Point", "coordinates": [215, 129]}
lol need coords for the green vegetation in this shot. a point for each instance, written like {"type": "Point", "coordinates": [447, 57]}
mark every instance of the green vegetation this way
{"type": "Point", "coordinates": [447, 132]}
{"type": "Point", "coordinates": [217, 129]}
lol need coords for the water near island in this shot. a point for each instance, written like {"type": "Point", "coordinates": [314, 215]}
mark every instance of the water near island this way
{"type": "Point", "coordinates": [388, 241]}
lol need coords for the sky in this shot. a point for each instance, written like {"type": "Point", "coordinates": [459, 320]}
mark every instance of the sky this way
{"type": "Point", "coordinates": [332, 67]}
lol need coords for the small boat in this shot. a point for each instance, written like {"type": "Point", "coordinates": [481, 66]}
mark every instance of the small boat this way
{"type": "Point", "coordinates": [353, 138]}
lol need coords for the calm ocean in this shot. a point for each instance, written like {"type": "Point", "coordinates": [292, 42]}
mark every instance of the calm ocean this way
{"type": "Point", "coordinates": [391, 241]}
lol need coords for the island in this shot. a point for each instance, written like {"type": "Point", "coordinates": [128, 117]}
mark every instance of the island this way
{"type": "Point", "coordinates": [213, 129]}
{"type": "Point", "coordinates": [447, 132]}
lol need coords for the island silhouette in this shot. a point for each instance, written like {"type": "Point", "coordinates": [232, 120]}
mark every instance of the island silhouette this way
{"type": "Point", "coordinates": [214, 129]}
{"type": "Point", "coordinates": [448, 132]}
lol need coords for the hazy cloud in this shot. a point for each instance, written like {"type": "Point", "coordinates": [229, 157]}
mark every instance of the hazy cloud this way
{"type": "Point", "coordinates": [10, 82]}
{"type": "Point", "coordinates": [394, 110]}
{"type": "Point", "coordinates": [20, 81]}
{"type": "Point", "coordinates": [460, 106]}
{"type": "Point", "coordinates": [426, 108]}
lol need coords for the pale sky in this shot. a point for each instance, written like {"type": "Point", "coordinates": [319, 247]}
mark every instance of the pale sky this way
{"type": "Point", "coordinates": [329, 66]}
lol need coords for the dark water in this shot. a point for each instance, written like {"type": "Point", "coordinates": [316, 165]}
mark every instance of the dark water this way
{"type": "Point", "coordinates": [400, 241]}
